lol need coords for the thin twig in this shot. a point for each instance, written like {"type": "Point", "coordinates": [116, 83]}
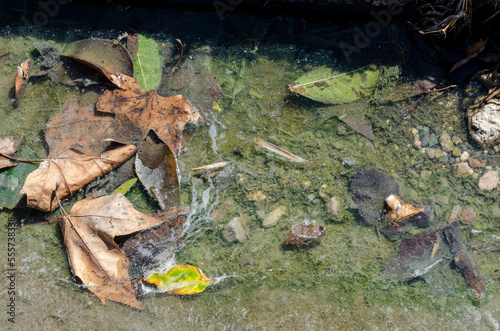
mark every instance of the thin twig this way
{"type": "Point", "coordinates": [171, 71]}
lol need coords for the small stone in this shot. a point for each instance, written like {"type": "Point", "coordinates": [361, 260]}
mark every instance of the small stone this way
{"type": "Point", "coordinates": [333, 207]}
{"type": "Point", "coordinates": [349, 161]}
{"type": "Point", "coordinates": [431, 153]}
{"type": "Point", "coordinates": [234, 231]}
{"type": "Point", "coordinates": [446, 142]}
{"type": "Point", "coordinates": [463, 170]}
{"type": "Point", "coordinates": [433, 140]}
{"type": "Point", "coordinates": [468, 215]}
{"type": "Point", "coordinates": [414, 131]}
{"type": "Point", "coordinates": [273, 217]}
{"type": "Point", "coordinates": [456, 152]}
{"type": "Point", "coordinates": [425, 139]}
{"type": "Point", "coordinates": [455, 212]}
{"type": "Point", "coordinates": [488, 181]}
{"type": "Point", "coordinates": [417, 144]}
{"type": "Point", "coordinates": [464, 156]}
{"type": "Point", "coordinates": [456, 140]}
{"type": "Point", "coordinates": [224, 209]}
{"type": "Point", "coordinates": [256, 196]}
{"type": "Point", "coordinates": [496, 149]}
{"type": "Point", "coordinates": [474, 163]}
{"type": "Point", "coordinates": [425, 174]}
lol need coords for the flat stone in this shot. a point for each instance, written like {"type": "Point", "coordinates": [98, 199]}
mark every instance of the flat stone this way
{"type": "Point", "coordinates": [464, 170]}
{"type": "Point", "coordinates": [468, 215]}
{"type": "Point", "coordinates": [234, 231]}
{"type": "Point", "coordinates": [475, 163]}
{"type": "Point", "coordinates": [446, 142]}
{"type": "Point", "coordinates": [488, 181]}
{"type": "Point", "coordinates": [349, 161]}
{"type": "Point", "coordinates": [273, 217]}
{"type": "Point", "coordinates": [333, 206]}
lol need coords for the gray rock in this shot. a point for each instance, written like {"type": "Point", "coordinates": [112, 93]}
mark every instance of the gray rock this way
{"type": "Point", "coordinates": [433, 140]}
{"type": "Point", "coordinates": [425, 139]}
{"type": "Point", "coordinates": [234, 231]}
{"type": "Point", "coordinates": [349, 161]}
{"type": "Point", "coordinates": [446, 142]}
{"type": "Point", "coordinates": [484, 124]}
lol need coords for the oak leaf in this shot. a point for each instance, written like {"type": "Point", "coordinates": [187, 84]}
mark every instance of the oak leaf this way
{"type": "Point", "coordinates": [97, 262]}
{"type": "Point", "coordinates": [138, 111]}
{"type": "Point", "coordinates": [61, 176]}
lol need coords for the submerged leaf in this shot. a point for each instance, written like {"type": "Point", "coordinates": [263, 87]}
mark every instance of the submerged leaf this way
{"type": "Point", "coordinates": [63, 175]}
{"type": "Point", "coordinates": [148, 63]}
{"type": "Point", "coordinates": [324, 85]}
{"type": "Point", "coordinates": [140, 111]}
{"type": "Point", "coordinates": [156, 168]}
{"type": "Point", "coordinates": [181, 279]}
{"type": "Point", "coordinates": [95, 258]}
{"type": "Point", "coordinates": [8, 145]}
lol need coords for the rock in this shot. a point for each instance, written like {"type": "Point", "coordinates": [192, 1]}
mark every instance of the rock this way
{"type": "Point", "coordinates": [436, 153]}
{"type": "Point", "coordinates": [414, 131]}
{"type": "Point", "coordinates": [333, 207]}
{"type": "Point", "coordinates": [463, 170]}
{"type": "Point", "coordinates": [455, 211]}
{"type": "Point", "coordinates": [484, 124]}
{"type": "Point", "coordinates": [456, 140]}
{"type": "Point", "coordinates": [464, 156]}
{"type": "Point", "coordinates": [234, 231]}
{"type": "Point", "coordinates": [224, 209]}
{"type": "Point", "coordinates": [433, 140]}
{"type": "Point", "coordinates": [425, 174]}
{"type": "Point", "coordinates": [468, 215]}
{"type": "Point", "coordinates": [446, 142]}
{"type": "Point", "coordinates": [488, 181]}
{"type": "Point", "coordinates": [417, 144]}
{"type": "Point", "coordinates": [456, 152]}
{"type": "Point", "coordinates": [273, 217]}
{"type": "Point", "coordinates": [474, 163]}
{"type": "Point", "coordinates": [349, 161]}
{"type": "Point", "coordinates": [425, 139]}
{"type": "Point", "coordinates": [256, 196]}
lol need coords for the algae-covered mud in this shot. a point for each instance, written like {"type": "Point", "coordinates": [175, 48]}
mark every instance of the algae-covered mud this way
{"type": "Point", "coordinates": [339, 282]}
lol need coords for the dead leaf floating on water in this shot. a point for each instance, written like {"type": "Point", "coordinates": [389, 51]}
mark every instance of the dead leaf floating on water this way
{"type": "Point", "coordinates": [8, 146]}
{"type": "Point", "coordinates": [95, 258]}
{"type": "Point", "coordinates": [22, 76]}
{"type": "Point", "coordinates": [67, 173]}
{"type": "Point", "coordinates": [305, 233]}
{"type": "Point", "coordinates": [140, 111]}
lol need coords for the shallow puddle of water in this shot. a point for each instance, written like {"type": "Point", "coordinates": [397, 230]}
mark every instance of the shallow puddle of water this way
{"type": "Point", "coordinates": [340, 283]}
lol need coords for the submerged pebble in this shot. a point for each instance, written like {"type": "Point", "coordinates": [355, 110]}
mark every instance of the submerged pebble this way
{"type": "Point", "coordinates": [273, 217]}
{"type": "Point", "coordinates": [234, 231]}
{"type": "Point", "coordinates": [488, 181]}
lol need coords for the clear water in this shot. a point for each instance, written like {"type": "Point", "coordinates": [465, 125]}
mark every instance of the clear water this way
{"type": "Point", "coordinates": [340, 283]}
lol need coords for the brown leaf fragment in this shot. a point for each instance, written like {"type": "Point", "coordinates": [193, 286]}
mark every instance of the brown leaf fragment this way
{"type": "Point", "coordinates": [356, 121]}
{"type": "Point", "coordinates": [463, 261]}
{"type": "Point", "coordinates": [97, 262]}
{"type": "Point", "coordinates": [67, 173]}
{"type": "Point", "coordinates": [305, 233]}
{"type": "Point", "coordinates": [74, 125]}
{"type": "Point", "coordinates": [8, 145]}
{"type": "Point", "coordinates": [139, 111]}
{"type": "Point", "coordinates": [22, 76]}
{"type": "Point", "coordinates": [281, 152]}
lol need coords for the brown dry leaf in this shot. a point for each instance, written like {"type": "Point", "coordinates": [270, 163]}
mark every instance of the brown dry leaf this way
{"type": "Point", "coordinates": [22, 76]}
{"type": "Point", "coordinates": [470, 53]}
{"type": "Point", "coordinates": [8, 145]}
{"type": "Point", "coordinates": [95, 258]}
{"type": "Point", "coordinates": [67, 173]}
{"type": "Point", "coordinates": [139, 111]}
{"type": "Point", "coordinates": [71, 126]}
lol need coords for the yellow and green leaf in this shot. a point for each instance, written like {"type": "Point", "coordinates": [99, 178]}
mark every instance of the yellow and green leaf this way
{"type": "Point", "coordinates": [181, 279]}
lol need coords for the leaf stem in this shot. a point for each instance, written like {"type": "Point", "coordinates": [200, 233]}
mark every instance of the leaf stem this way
{"type": "Point", "coordinates": [171, 71]}
{"type": "Point", "coordinates": [20, 160]}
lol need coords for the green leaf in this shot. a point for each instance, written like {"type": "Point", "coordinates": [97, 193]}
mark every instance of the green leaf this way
{"type": "Point", "coordinates": [325, 85]}
{"type": "Point", "coordinates": [181, 279]}
{"type": "Point", "coordinates": [148, 63]}
{"type": "Point", "coordinates": [12, 180]}
{"type": "Point", "coordinates": [125, 187]}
